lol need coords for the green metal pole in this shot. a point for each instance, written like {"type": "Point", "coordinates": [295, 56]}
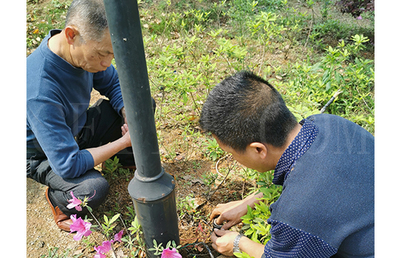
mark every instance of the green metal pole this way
{"type": "Point", "coordinates": [152, 190]}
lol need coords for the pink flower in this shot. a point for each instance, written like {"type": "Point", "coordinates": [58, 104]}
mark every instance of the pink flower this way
{"type": "Point", "coordinates": [74, 203]}
{"type": "Point", "coordinates": [99, 255]}
{"type": "Point", "coordinates": [81, 227]}
{"type": "Point", "coordinates": [103, 249]}
{"type": "Point", "coordinates": [359, 18]}
{"type": "Point", "coordinates": [167, 253]}
{"type": "Point", "coordinates": [118, 236]}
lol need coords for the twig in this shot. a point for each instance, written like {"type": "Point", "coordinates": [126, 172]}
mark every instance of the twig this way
{"type": "Point", "coordinates": [262, 58]}
{"type": "Point", "coordinates": [112, 248]}
{"type": "Point", "coordinates": [309, 31]}
{"type": "Point", "coordinates": [195, 104]}
{"type": "Point", "coordinates": [244, 182]}
{"type": "Point", "coordinates": [227, 174]}
{"type": "Point", "coordinates": [216, 165]}
{"type": "Point", "coordinates": [364, 100]}
{"type": "Point", "coordinates": [94, 218]}
{"type": "Point", "coordinates": [198, 243]}
{"type": "Point", "coordinates": [123, 223]}
{"type": "Point", "coordinates": [208, 249]}
{"type": "Point", "coordinates": [330, 101]}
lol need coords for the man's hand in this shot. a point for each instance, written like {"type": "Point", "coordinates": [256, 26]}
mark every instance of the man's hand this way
{"type": "Point", "coordinates": [222, 241]}
{"type": "Point", "coordinates": [104, 152]}
{"type": "Point", "coordinates": [232, 212]}
{"type": "Point", "coordinates": [125, 135]}
{"type": "Point", "coordinates": [124, 127]}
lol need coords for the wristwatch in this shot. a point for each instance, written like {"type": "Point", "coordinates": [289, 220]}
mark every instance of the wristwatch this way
{"type": "Point", "coordinates": [236, 248]}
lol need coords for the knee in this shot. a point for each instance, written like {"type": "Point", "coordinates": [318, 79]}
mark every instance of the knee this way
{"type": "Point", "coordinates": [95, 189]}
{"type": "Point", "coordinates": [99, 192]}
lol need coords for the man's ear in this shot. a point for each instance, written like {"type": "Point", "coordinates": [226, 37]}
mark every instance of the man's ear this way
{"type": "Point", "coordinates": [71, 34]}
{"type": "Point", "coordinates": [259, 148]}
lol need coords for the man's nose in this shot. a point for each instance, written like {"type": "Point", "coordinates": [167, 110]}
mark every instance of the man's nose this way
{"type": "Point", "coordinates": [106, 62]}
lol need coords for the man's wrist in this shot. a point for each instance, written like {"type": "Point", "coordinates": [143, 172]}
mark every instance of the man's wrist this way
{"type": "Point", "coordinates": [123, 112]}
{"type": "Point", "coordinates": [252, 200]}
{"type": "Point", "coordinates": [236, 241]}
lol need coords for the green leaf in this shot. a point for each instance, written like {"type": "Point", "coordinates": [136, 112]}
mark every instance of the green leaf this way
{"type": "Point", "coordinates": [328, 86]}
{"type": "Point", "coordinates": [326, 76]}
{"type": "Point", "coordinates": [114, 218]}
{"type": "Point", "coordinates": [338, 77]}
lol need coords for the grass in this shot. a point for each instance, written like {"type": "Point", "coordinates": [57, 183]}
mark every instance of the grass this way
{"type": "Point", "coordinates": [196, 48]}
{"type": "Point", "coordinates": [307, 49]}
{"type": "Point", "coordinates": [39, 21]}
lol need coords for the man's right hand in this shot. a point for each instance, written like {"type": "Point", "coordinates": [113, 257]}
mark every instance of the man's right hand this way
{"type": "Point", "coordinates": [104, 152]}
{"type": "Point", "coordinates": [232, 212]}
{"type": "Point", "coordinates": [125, 135]}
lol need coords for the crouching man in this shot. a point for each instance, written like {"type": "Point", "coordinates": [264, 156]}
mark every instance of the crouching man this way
{"type": "Point", "coordinates": [325, 164]}
{"type": "Point", "coordinates": [65, 138]}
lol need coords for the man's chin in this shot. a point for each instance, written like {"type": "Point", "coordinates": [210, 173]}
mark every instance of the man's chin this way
{"type": "Point", "coordinates": [91, 69]}
{"type": "Point", "coordinates": [94, 70]}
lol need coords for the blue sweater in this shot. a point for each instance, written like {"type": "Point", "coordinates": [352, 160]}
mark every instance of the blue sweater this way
{"type": "Point", "coordinates": [327, 203]}
{"type": "Point", "coordinates": [58, 96]}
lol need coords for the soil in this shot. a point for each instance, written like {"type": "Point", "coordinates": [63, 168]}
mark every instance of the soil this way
{"type": "Point", "coordinates": [43, 236]}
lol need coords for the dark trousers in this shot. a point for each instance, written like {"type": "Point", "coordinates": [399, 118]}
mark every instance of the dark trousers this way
{"type": "Point", "coordinates": [103, 125]}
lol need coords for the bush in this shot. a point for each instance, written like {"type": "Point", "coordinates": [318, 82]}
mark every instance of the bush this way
{"type": "Point", "coordinates": [356, 7]}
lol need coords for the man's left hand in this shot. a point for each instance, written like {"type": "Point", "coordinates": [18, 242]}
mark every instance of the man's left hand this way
{"type": "Point", "coordinates": [222, 241]}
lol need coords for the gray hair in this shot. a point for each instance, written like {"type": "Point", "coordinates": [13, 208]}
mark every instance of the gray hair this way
{"type": "Point", "coordinates": [89, 16]}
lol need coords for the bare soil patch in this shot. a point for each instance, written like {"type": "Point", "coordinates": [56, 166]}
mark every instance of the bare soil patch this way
{"type": "Point", "coordinates": [189, 169]}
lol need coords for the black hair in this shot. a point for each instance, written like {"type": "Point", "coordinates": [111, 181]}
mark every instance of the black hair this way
{"type": "Point", "coordinates": [245, 108]}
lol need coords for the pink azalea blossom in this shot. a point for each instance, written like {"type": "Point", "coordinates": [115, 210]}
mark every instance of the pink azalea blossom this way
{"type": "Point", "coordinates": [81, 227]}
{"type": "Point", "coordinates": [118, 236]}
{"type": "Point", "coordinates": [167, 253]}
{"type": "Point", "coordinates": [103, 249]}
{"type": "Point", "coordinates": [99, 255]}
{"type": "Point", "coordinates": [359, 18]}
{"type": "Point", "coordinates": [74, 203]}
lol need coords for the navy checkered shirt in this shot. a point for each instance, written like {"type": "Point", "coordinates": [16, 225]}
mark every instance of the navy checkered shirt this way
{"type": "Point", "coordinates": [287, 241]}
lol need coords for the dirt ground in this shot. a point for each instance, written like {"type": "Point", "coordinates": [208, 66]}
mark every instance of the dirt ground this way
{"type": "Point", "coordinates": [42, 234]}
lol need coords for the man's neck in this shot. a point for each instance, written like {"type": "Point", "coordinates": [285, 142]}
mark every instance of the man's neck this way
{"type": "Point", "coordinates": [276, 152]}
{"type": "Point", "coordinates": [59, 46]}
{"type": "Point", "coordinates": [295, 131]}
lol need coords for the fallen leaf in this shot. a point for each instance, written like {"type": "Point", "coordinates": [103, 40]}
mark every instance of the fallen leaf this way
{"type": "Point", "coordinates": [199, 248]}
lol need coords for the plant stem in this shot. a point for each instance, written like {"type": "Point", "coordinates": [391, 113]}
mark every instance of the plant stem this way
{"type": "Point", "coordinates": [94, 217]}
{"type": "Point", "coordinates": [130, 239]}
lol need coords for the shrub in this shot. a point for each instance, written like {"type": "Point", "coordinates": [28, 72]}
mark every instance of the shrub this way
{"type": "Point", "coordinates": [356, 7]}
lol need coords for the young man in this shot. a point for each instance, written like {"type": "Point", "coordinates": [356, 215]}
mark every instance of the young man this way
{"type": "Point", "coordinates": [325, 164]}
{"type": "Point", "coordinates": [65, 139]}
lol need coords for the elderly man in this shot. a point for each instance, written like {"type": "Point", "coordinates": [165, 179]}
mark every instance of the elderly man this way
{"type": "Point", "coordinates": [325, 164]}
{"type": "Point", "coordinates": [65, 139]}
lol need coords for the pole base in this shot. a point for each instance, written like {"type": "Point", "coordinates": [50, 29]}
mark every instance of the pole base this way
{"type": "Point", "coordinates": [155, 208]}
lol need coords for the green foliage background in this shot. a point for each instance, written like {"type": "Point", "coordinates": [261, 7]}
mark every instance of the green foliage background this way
{"type": "Point", "coordinates": [307, 49]}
